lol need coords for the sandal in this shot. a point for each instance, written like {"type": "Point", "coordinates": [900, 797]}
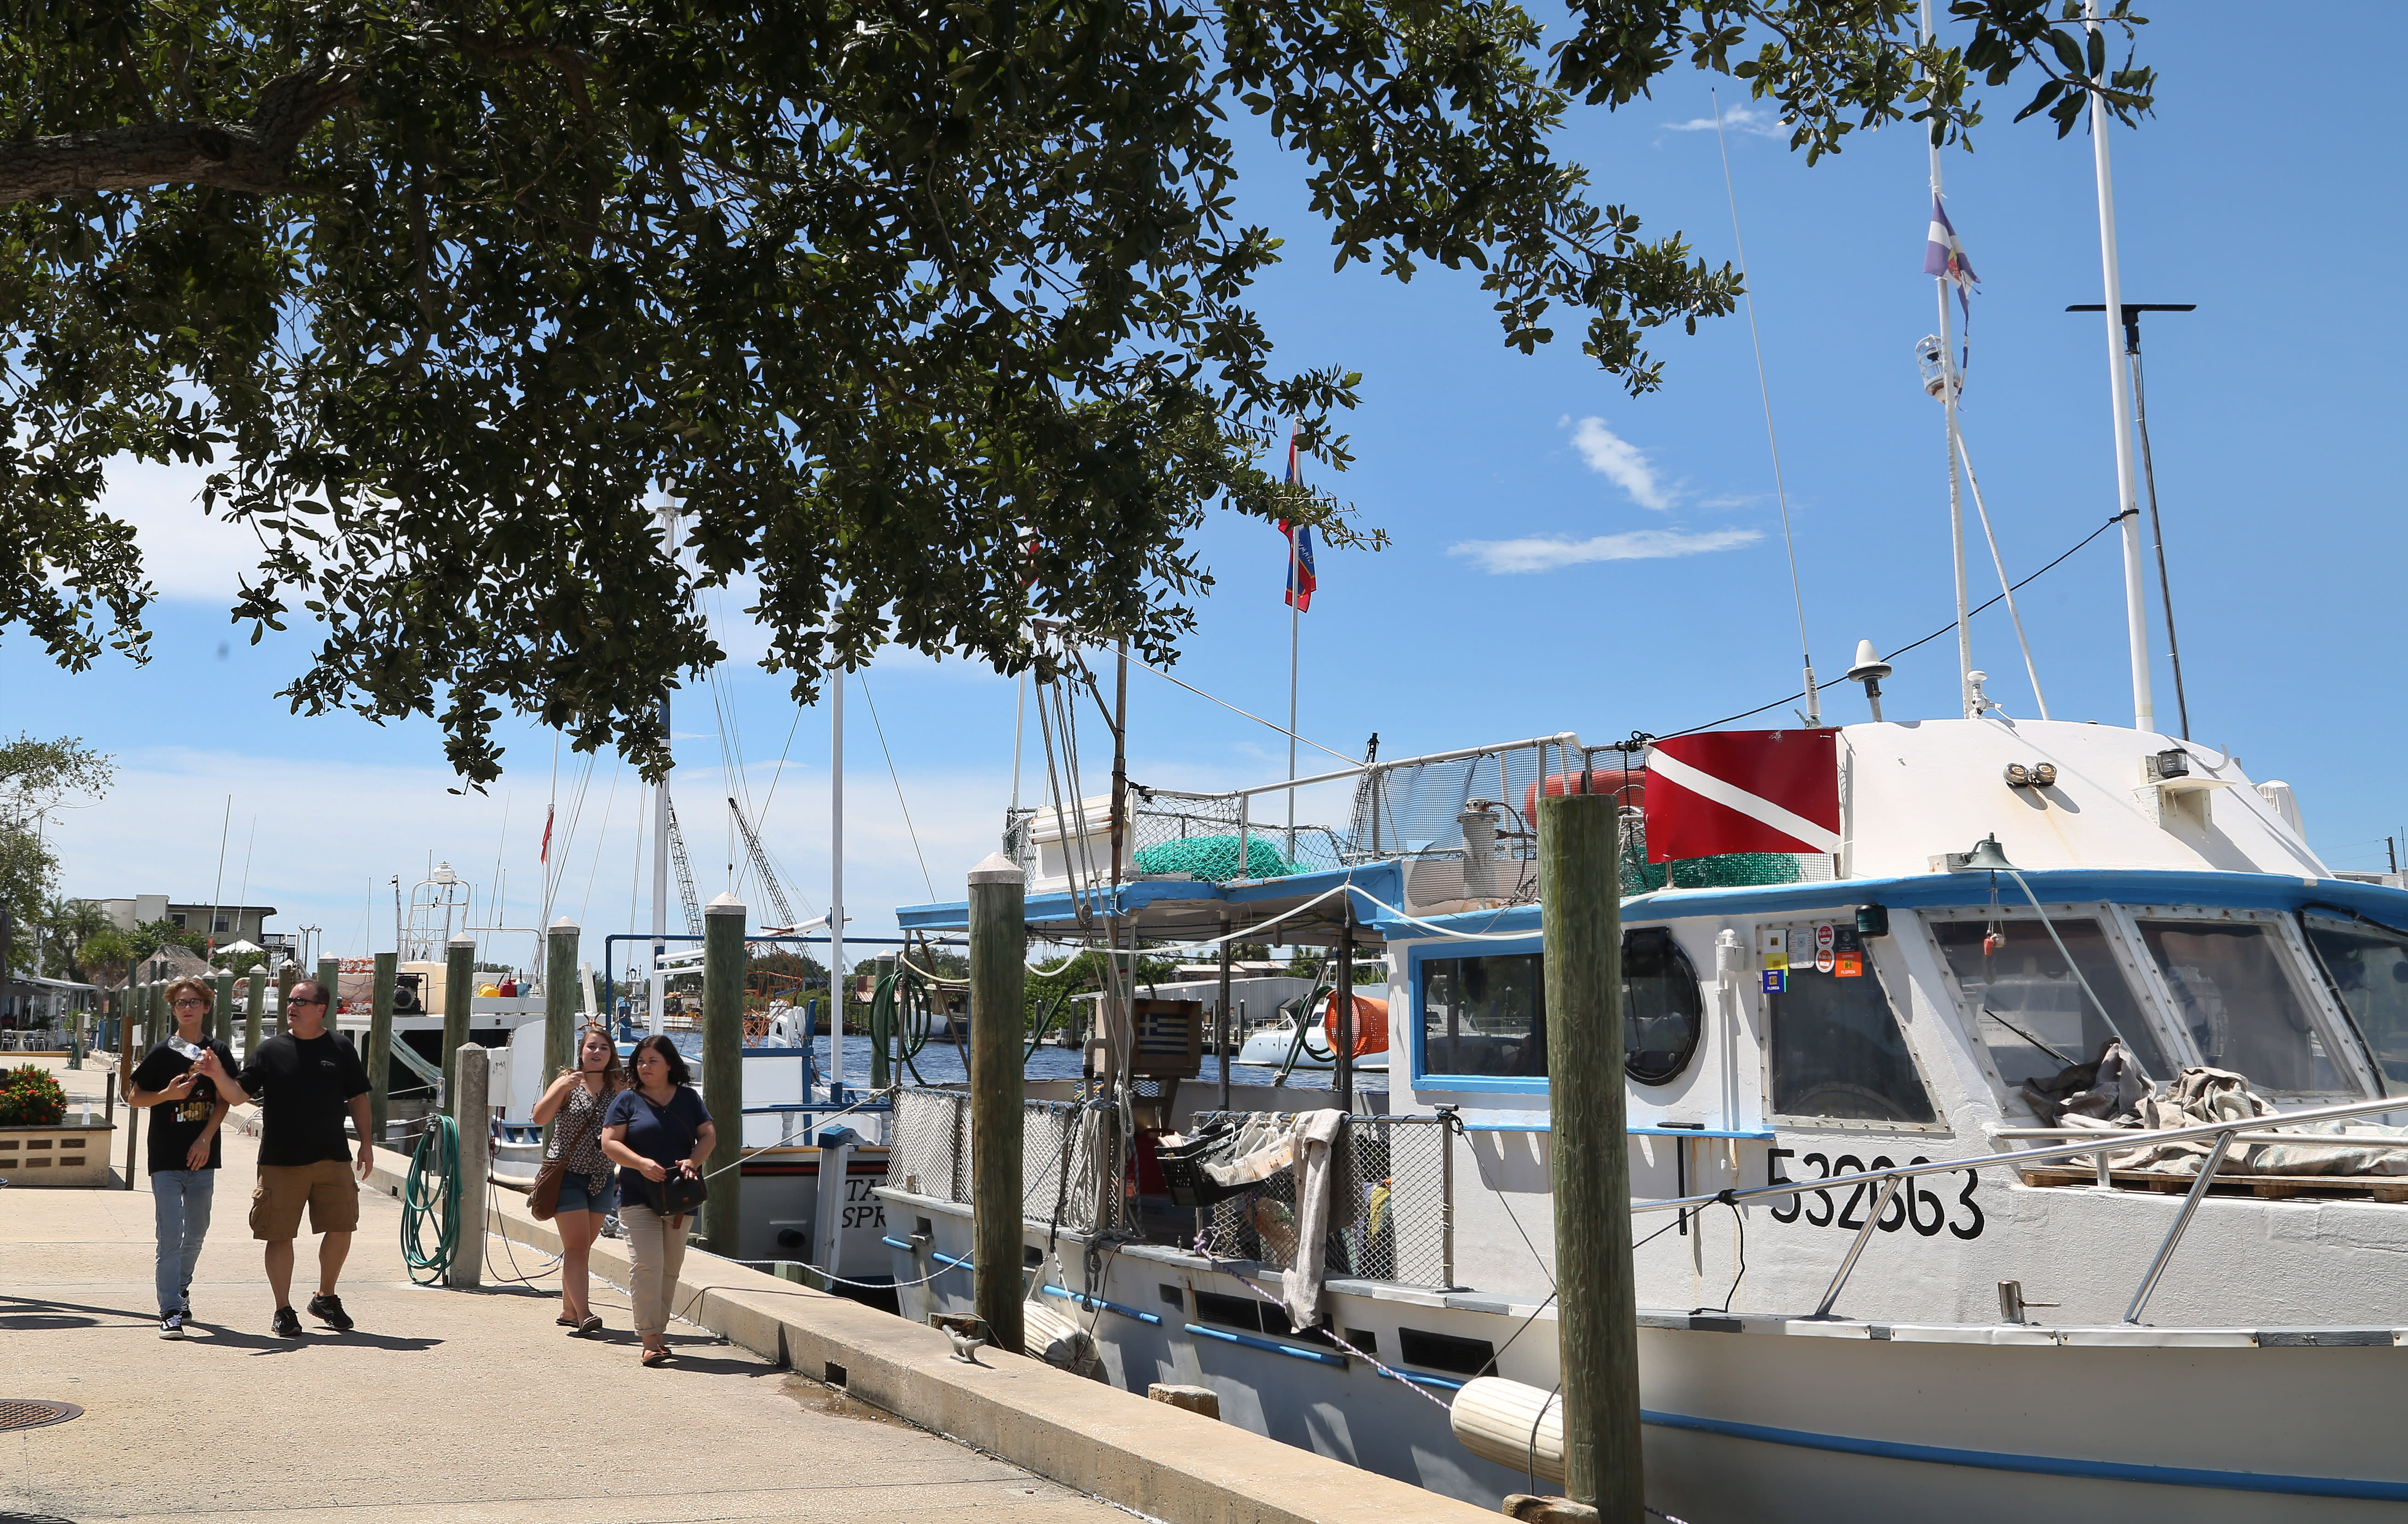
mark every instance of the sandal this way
{"type": "Point", "coordinates": [590, 1323]}
{"type": "Point", "coordinates": [655, 1357]}
{"type": "Point", "coordinates": [563, 1322]}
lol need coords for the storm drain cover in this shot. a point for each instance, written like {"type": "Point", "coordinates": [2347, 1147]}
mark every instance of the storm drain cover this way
{"type": "Point", "coordinates": [33, 1412]}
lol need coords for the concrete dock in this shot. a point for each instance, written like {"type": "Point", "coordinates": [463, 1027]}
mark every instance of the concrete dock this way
{"type": "Point", "coordinates": [464, 1405]}
{"type": "Point", "coordinates": [784, 1402]}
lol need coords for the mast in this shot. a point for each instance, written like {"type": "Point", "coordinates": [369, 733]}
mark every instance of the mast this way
{"type": "Point", "coordinates": [1949, 381]}
{"type": "Point", "coordinates": [2136, 593]}
{"type": "Point", "coordinates": [835, 885]}
{"type": "Point", "coordinates": [656, 982]}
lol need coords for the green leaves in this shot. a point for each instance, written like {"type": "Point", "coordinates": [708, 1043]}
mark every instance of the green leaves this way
{"type": "Point", "coordinates": [929, 320]}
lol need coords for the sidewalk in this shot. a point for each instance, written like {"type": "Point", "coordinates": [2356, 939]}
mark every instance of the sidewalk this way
{"type": "Point", "coordinates": [468, 1406]}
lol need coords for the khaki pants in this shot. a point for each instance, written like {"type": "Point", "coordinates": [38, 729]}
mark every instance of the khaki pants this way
{"type": "Point", "coordinates": [656, 1252]}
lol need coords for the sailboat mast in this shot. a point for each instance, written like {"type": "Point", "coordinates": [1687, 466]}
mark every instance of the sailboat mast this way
{"type": "Point", "coordinates": [836, 884]}
{"type": "Point", "coordinates": [2136, 592]}
{"type": "Point", "coordinates": [655, 982]}
{"type": "Point", "coordinates": [1949, 378]}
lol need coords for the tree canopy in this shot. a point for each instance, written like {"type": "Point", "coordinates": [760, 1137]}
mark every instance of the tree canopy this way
{"type": "Point", "coordinates": [36, 777]}
{"type": "Point", "coordinates": [932, 319]}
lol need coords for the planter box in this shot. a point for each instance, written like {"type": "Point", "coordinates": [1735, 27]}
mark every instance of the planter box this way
{"type": "Point", "coordinates": [72, 1154]}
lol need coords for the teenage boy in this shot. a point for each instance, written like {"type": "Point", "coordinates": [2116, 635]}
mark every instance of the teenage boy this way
{"type": "Point", "coordinates": [184, 1148]}
{"type": "Point", "coordinates": [304, 1079]}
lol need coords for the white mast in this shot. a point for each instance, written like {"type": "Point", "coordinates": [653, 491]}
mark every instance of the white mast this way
{"type": "Point", "coordinates": [1949, 381]}
{"type": "Point", "coordinates": [656, 982]}
{"type": "Point", "coordinates": [2136, 606]}
{"type": "Point", "coordinates": [835, 885]}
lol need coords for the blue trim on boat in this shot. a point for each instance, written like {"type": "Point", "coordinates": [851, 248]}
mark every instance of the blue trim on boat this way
{"type": "Point", "coordinates": [1418, 1379]}
{"type": "Point", "coordinates": [945, 1259]}
{"type": "Point", "coordinates": [1383, 880]}
{"type": "Point", "coordinates": [1086, 1301]}
{"type": "Point", "coordinates": [1321, 1355]}
{"type": "Point", "coordinates": [2040, 1465]}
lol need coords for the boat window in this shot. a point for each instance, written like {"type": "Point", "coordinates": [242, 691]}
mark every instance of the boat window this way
{"type": "Point", "coordinates": [2229, 989]}
{"type": "Point", "coordinates": [1837, 1051]}
{"type": "Point", "coordinates": [2031, 1010]}
{"type": "Point", "coordinates": [1662, 1010]}
{"type": "Point", "coordinates": [2368, 965]}
{"type": "Point", "coordinates": [1484, 1015]}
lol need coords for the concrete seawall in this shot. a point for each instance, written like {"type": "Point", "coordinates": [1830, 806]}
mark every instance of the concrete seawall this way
{"type": "Point", "coordinates": [1142, 1455]}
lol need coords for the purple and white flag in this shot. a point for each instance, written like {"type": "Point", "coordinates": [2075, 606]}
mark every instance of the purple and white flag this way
{"type": "Point", "coordinates": [1945, 256]}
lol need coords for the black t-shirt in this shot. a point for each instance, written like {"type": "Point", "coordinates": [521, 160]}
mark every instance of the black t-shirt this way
{"type": "Point", "coordinates": [174, 1124]}
{"type": "Point", "coordinates": [303, 1088]}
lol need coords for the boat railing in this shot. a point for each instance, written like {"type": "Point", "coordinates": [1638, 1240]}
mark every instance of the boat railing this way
{"type": "Point", "coordinates": [1392, 1206]}
{"type": "Point", "coordinates": [2095, 1143]}
{"type": "Point", "coordinates": [1065, 1156]}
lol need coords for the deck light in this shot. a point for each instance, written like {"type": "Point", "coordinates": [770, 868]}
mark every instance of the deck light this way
{"type": "Point", "coordinates": [2018, 776]}
{"type": "Point", "coordinates": [2044, 775]}
{"type": "Point", "coordinates": [2174, 763]}
{"type": "Point", "coordinates": [1872, 920]}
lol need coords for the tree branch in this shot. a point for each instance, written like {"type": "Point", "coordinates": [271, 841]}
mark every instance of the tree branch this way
{"type": "Point", "coordinates": [252, 157]}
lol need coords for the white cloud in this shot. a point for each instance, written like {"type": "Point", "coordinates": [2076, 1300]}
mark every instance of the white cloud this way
{"type": "Point", "coordinates": [1620, 462]}
{"type": "Point", "coordinates": [1754, 121]}
{"type": "Point", "coordinates": [1505, 557]}
{"type": "Point", "coordinates": [187, 553]}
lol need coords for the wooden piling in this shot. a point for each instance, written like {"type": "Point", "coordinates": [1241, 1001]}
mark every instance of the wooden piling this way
{"type": "Point", "coordinates": [330, 983]}
{"type": "Point", "coordinates": [258, 999]}
{"type": "Point", "coordinates": [560, 1003]}
{"type": "Point", "coordinates": [222, 1027]}
{"type": "Point", "coordinates": [379, 1054]}
{"type": "Point", "coordinates": [1597, 1318]}
{"type": "Point", "coordinates": [470, 1077]}
{"type": "Point", "coordinates": [723, 1070]}
{"type": "Point", "coordinates": [999, 894]}
{"type": "Point", "coordinates": [286, 975]}
{"type": "Point", "coordinates": [459, 1004]}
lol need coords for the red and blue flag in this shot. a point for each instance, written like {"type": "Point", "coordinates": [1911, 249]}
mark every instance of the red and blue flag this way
{"type": "Point", "coordinates": [1300, 580]}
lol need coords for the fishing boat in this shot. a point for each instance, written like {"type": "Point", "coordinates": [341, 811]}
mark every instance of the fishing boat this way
{"type": "Point", "coordinates": [2009, 1109]}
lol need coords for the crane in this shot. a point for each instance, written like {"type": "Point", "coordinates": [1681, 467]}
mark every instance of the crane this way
{"type": "Point", "coordinates": [684, 873]}
{"type": "Point", "coordinates": [761, 866]}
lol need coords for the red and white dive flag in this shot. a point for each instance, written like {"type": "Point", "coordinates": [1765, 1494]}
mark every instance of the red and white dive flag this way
{"type": "Point", "coordinates": [545, 855]}
{"type": "Point", "coordinates": [1742, 791]}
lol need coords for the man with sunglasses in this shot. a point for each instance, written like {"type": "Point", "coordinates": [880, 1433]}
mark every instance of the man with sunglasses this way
{"type": "Point", "coordinates": [184, 1149]}
{"type": "Point", "coordinates": [304, 1079]}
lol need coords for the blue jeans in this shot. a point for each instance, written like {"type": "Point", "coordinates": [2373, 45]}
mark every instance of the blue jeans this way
{"type": "Point", "coordinates": [180, 1201]}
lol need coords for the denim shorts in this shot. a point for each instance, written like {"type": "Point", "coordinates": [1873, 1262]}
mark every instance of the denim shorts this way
{"type": "Point", "coordinates": [584, 1193]}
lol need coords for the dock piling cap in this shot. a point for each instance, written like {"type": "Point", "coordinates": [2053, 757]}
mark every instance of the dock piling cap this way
{"type": "Point", "coordinates": [726, 904]}
{"type": "Point", "coordinates": [994, 867]}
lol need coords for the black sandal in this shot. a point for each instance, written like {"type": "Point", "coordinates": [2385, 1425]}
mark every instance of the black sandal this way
{"type": "Point", "coordinates": [655, 1357]}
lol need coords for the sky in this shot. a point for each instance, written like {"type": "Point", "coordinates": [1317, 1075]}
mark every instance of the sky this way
{"type": "Point", "coordinates": [1563, 555]}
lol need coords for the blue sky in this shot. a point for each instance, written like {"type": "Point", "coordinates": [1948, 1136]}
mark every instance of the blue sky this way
{"type": "Point", "coordinates": [2259, 193]}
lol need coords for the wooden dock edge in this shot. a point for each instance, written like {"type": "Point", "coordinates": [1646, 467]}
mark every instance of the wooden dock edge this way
{"type": "Point", "coordinates": [1147, 1457]}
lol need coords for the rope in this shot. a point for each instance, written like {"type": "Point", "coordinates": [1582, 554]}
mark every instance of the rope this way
{"type": "Point", "coordinates": [1204, 1247]}
{"type": "Point", "coordinates": [431, 1198]}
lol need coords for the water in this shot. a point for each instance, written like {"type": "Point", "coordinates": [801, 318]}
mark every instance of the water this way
{"type": "Point", "coordinates": [940, 1063]}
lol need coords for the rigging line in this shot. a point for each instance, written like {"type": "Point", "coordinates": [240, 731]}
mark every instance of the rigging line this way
{"type": "Point", "coordinates": [1944, 629]}
{"type": "Point", "coordinates": [1764, 390]}
{"type": "Point", "coordinates": [551, 804]}
{"type": "Point", "coordinates": [601, 836]}
{"type": "Point", "coordinates": [576, 813]}
{"type": "Point", "coordinates": [1235, 710]}
{"type": "Point", "coordinates": [875, 724]}
{"type": "Point", "coordinates": [2008, 593]}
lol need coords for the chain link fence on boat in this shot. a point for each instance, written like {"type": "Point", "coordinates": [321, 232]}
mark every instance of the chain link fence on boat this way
{"type": "Point", "coordinates": [1391, 1209]}
{"type": "Point", "coordinates": [1065, 1154]}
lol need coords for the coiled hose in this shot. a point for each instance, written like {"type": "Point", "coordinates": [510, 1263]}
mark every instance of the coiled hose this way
{"type": "Point", "coordinates": [430, 1199]}
{"type": "Point", "coordinates": [900, 1020]}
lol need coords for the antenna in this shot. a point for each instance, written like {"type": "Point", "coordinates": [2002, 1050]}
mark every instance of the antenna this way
{"type": "Point", "coordinates": [2132, 312]}
{"type": "Point", "coordinates": [1780, 492]}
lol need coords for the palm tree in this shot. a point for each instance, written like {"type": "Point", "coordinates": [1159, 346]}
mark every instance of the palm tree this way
{"type": "Point", "coordinates": [72, 924]}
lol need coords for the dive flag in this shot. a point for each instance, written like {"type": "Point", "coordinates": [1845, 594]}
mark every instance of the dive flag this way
{"type": "Point", "coordinates": [1300, 580]}
{"type": "Point", "coordinates": [1742, 791]}
{"type": "Point", "coordinates": [545, 855]}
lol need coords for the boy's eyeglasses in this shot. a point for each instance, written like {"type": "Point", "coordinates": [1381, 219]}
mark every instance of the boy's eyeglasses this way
{"type": "Point", "coordinates": [187, 1003]}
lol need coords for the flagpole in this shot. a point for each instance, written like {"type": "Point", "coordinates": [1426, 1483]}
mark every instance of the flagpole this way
{"type": "Point", "coordinates": [2136, 592]}
{"type": "Point", "coordinates": [1949, 380]}
{"type": "Point", "coordinates": [1294, 624]}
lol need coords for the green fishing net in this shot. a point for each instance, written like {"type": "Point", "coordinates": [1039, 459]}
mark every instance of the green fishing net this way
{"type": "Point", "coordinates": [1213, 860]}
{"type": "Point", "coordinates": [1732, 870]}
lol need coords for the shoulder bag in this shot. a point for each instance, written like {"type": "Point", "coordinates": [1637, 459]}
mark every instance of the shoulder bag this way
{"type": "Point", "coordinates": [543, 1197]}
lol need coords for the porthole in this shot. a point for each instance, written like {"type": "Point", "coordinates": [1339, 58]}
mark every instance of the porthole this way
{"type": "Point", "coordinates": [1663, 1013]}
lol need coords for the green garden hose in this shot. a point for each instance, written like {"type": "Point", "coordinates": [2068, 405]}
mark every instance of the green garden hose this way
{"type": "Point", "coordinates": [431, 1195]}
{"type": "Point", "coordinates": [897, 999]}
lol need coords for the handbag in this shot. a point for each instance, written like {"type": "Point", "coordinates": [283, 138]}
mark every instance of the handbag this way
{"type": "Point", "coordinates": [543, 1197]}
{"type": "Point", "coordinates": [677, 1195]}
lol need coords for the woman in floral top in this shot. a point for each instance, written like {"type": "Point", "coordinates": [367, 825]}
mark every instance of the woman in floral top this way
{"type": "Point", "coordinates": [578, 1098]}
